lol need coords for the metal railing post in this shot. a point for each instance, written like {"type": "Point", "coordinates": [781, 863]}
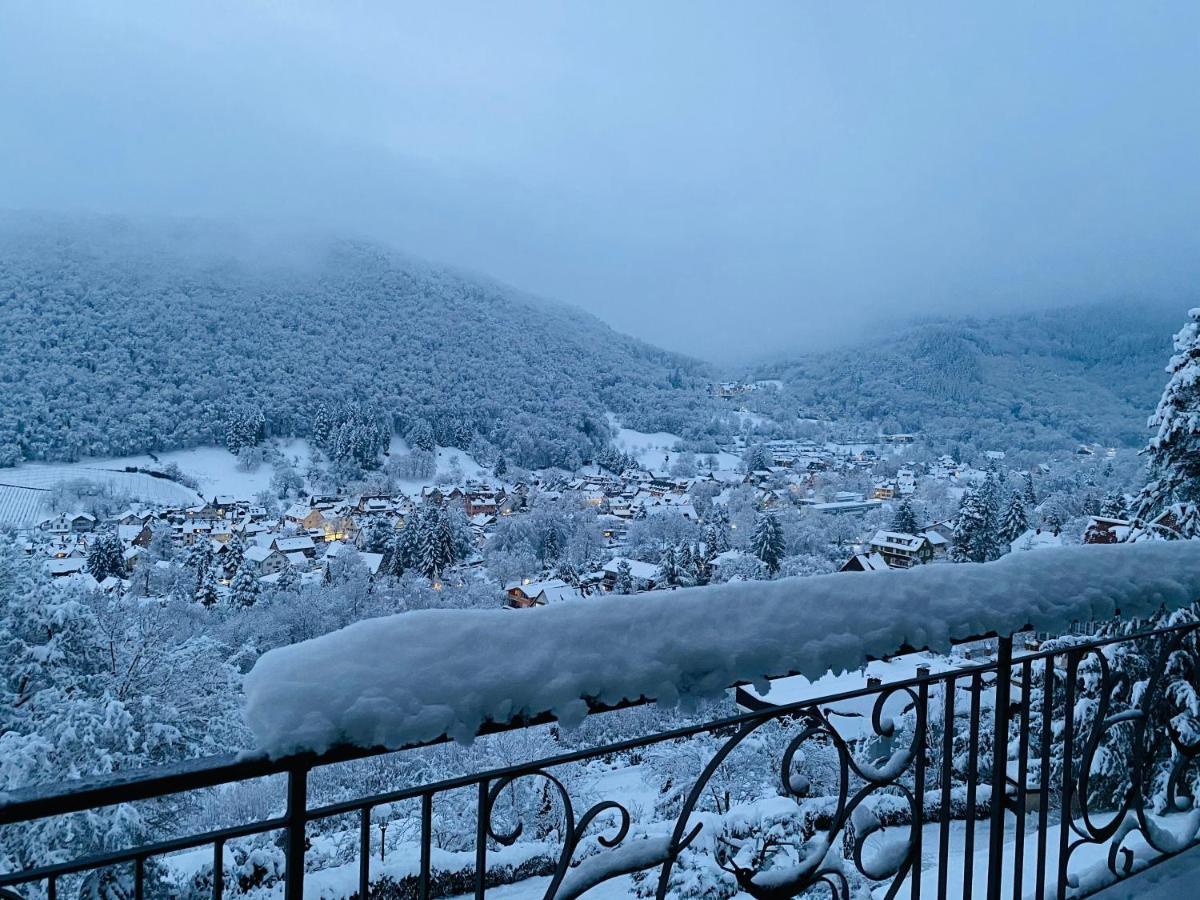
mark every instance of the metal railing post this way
{"type": "Point", "coordinates": [999, 769]}
{"type": "Point", "coordinates": [297, 820]}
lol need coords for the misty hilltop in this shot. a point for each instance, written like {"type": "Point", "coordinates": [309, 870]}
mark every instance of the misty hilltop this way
{"type": "Point", "coordinates": [1088, 373]}
{"type": "Point", "coordinates": [128, 336]}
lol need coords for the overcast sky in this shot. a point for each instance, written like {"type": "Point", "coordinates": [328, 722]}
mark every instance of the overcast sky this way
{"type": "Point", "coordinates": [724, 179]}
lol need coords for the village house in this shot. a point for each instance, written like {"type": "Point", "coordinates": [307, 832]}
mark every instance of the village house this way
{"type": "Point", "coordinates": [66, 523]}
{"type": "Point", "coordinates": [299, 544]}
{"type": "Point", "coordinates": [1102, 530]}
{"type": "Point", "coordinates": [304, 517]}
{"type": "Point", "coordinates": [865, 562]}
{"type": "Point", "coordinates": [900, 550]}
{"type": "Point", "coordinates": [525, 594]}
{"type": "Point", "coordinates": [883, 490]}
{"type": "Point", "coordinates": [264, 560]}
{"type": "Point", "coordinates": [645, 576]}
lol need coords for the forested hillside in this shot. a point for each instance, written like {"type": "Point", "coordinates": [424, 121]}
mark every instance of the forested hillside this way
{"type": "Point", "coordinates": [125, 337]}
{"type": "Point", "coordinates": [1037, 380]}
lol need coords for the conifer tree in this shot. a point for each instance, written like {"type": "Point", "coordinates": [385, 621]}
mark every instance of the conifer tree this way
{"type": "Point", "coordinates": [623, 583]}
{"type": "Point", "coordinates": [974, 540]}
{"type": "Point", "coordinates": [716, 539]}
{"type": "Point", "coordinates": [1015, 521]}
{"type": "Point", "coordinates": [235, 552]}
{"type": "Point", "coordinates": [289, 580]}
{"type": "Point", "coordinates": [106, 557]}
{"type": "Point", "coordinates": [905, 519]}
{"type": "Point", "coordinates": [1113, 506]}
{"type": "Point", "coordinates": [206, 590]}
{"type": "Point", "coordinates": [687, 565]}
{"type": "Point", "coordinates": [1173, 453]}
{"type": "Point", "coordinates": [243, 590]}
{"type": "Point", "coordinates": [767, 543]}
{"type": "Point", "coordinates": [550, 547]}
{"type": "Point", "coordinates": [670, 566]}
{"type": "Point", "coordinates": [1029, 495]}
{"type": "Point", "coordinates": [379, 535]}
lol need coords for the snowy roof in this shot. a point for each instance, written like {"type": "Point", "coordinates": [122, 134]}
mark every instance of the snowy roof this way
{"type": "Point", "coordinates": [288, 545]}
{"type": "Point", "coordinates": [372, 561]}
{"type": "Point", "coordinates": [257, 554]}
{"type": "Point", "coordinates": [65, 566]}
{"type": "Point", "coordinates": [462, 668]}
{"type": "Point", "coordinates": [897, 540]}
{"type": "Point", "coordinates": [873, 562]}
{"type": "Point", "coordinates": [643, 571]}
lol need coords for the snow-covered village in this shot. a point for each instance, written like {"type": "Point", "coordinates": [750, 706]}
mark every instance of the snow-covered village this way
{"type": "Point", "coordinates": [674, 451]}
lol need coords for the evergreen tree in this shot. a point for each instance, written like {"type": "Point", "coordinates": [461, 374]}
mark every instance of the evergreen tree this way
{"type": "Point", "coordinates": [716, 538]}
{"type": "Point", "coordinates": [767, 543]}
{"type": "Point", "coordinates": [1173, 453]}
{"type": "Point", "coordinates": [687, 565]}
{"type": "Point", "coordinates": [106, 557]}
{"type": "Point", "coordinates": [322, 426]}
{"type": "Point", "coordinates": [235, 552]}
{"type": "Point", "coordinates": [243, 590]}
{"type": "Point", "coordinates": [550, 547]}
{"type": "Point", "coordinates": [289, 580]}
{"type": "Point", "coordinates": [905, 519]}
{"type": "Point", "coordinates": [206, 589]}
{"type": "Point", "coordinates": [1113, 506]}
{"type": "Point", "coordinates": [568, 573]}
{"type": "Point", "coordinates": [420, 436]}
{"type": "Point", "coordinates": [1015, 521]}
{"type": "Point", "coordinates": [1029, 494]}
{"type": "Point", "coordinates": [379, 535]}
{"type": "Point", "coordinates": [756, 458]}
{"type": "Point", "coordinates": [670, 565]}
{"type": "Point", "coordinates": [703, 565]}
{"type": "Point", "coordinates": [501, 468]}
{"type": "Point", "coordinates": [973, 531]}
{"type": "Point", "coordinates": [623, 583]}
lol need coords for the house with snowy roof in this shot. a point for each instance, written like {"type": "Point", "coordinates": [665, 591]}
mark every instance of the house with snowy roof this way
{"type": "Point", "coordinates": [67, 523]}
{"type": "Point", "coordinates": [264, 560]}
{"type": "Point", "coordinates": [1105, 530]}
{"type": "Point", "coordinates": [525, 593]}
{"type": "Point", "coordinates": [646, 576]}
{"type": "Point", "coordinates": [900, 550]}
{"type": "Point", "coordinates": [299, 544]}
{"type": "Point", "coordinates": [865, 562]}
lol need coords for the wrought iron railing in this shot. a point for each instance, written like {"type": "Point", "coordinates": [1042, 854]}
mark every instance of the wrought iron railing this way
{"type": "Point", "coordinates": [1051, 772]}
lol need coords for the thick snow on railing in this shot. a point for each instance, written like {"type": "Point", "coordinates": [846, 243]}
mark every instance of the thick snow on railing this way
{"type": "Point", "coordinates": [423, 675]}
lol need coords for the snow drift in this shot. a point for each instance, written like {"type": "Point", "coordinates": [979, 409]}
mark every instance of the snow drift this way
{"type": "Point", "coordinates": [423, 675]}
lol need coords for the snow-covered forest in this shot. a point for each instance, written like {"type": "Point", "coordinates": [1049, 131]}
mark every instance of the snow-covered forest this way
{"type": "Point", "coordinates": [124, 337]}
{"type": "Point", "coordinates": [1037, 380]}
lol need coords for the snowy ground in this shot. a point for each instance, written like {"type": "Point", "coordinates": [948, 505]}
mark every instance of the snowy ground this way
{"type": "Point", "coordinates": [655, 450]}
{"type": "Point", "coordinates": [25, 491]}
{"type": "Point", "coordinates": [447, 458]}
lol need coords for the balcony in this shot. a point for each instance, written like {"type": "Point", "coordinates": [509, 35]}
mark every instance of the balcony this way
{"type": "Point", "coordinates": [1064, 770]}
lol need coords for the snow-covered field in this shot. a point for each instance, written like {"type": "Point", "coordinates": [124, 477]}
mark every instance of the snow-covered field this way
{"type": "Point", "coordinates": [655, 450]}
{"type": "Point", "coordinates": [26, 491]}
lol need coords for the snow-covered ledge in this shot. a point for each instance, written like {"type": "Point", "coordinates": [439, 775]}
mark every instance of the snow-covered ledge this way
{"type": "Point", "coordinates": [420, 676]}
